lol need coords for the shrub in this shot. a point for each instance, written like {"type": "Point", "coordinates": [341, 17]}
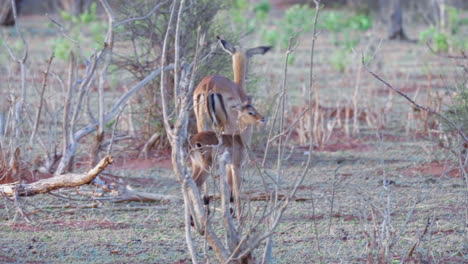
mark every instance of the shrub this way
{"type": "Point", "coordinates": [144, 39]}
{"type": "Point", "coordinates": [449, 38]}
{"type": "Point", "coordinates": [86, 29]}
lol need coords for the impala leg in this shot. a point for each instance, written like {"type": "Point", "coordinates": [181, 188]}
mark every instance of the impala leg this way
{"type": "Point", "coordinates": [234, 184]}
{"type": "Point", "coordinates": [200, 175]}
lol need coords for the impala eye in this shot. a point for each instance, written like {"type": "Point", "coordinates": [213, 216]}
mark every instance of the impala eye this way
{"type": "Point", "coordinates": [251, 113]}
{"type": "Point", "coordinates": [199, 145]}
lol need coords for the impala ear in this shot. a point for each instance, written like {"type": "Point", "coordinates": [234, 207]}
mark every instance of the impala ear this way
{"type": "Point", "coordinates": [246, 105]}
{"type": "Point", "coordinates": [226, 46]}
{"type": "Point", "coordinates": [248, 101]}
{"type": "Point", "coordinates": [258, 50]}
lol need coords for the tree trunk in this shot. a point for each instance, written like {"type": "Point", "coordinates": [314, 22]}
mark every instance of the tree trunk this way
{"type": "Point", "coordinates": [6, 12]}
{"type": "Point", "coordinates": [75, 7]}
{"type": "Point", "coordinates": [4, 108]}
{"type": "Point", "coordinates": [396, 18]}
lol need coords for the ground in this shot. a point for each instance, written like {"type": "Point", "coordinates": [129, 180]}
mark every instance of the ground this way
{"type": "Point", "coordinates": [386, 184]}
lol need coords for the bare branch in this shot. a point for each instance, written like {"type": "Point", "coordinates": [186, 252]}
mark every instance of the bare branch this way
{"type": "Point", "coordinates": [162, 85]}
{"type": "Point", "coordinates": [18, 30]}
{"type": "Point", "coordinates": [427, 109]}
{"type": "Point", "coordinates": [128, 20]}
{"type": "Point", "coordinates": [115, 109]}
{"type": "Point", "coordinates": [177, 53]}
{"type": "Point", "coordinates": [62, 30]}
{"type": "Point", "coordinates": [110, 115]}
{"type": "Point", "coordinates": [41, 101]}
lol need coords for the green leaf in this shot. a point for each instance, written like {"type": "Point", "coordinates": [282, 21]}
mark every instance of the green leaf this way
{"type": "Point", "coordinates": [360, 22]}
{"type": "Point", "coordinates": [241, 4]}
{"type": "Point", "coordinates": [427, 34]}
{"type": "Point", "coordinates": [65, 15]}
{"type": "Point", "coordinates": [261, 10]}
{"type": "Point", "coordinates": [291, 59]}
{"type": "Point", "coordinates": [332, 22]}
{"type": "Point", "coordinates": [440, 41]}
{"type": "Point", "coordinates": [271, 37]}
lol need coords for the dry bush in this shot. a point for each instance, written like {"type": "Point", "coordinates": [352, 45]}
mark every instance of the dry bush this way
{"type": "Point", "coordinates": [140, 46]}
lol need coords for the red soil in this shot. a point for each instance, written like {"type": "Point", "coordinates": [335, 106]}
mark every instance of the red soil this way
{"type": "Point", "coordinates": [435, 168]}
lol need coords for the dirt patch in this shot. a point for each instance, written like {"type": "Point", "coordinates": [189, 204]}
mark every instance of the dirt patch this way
{"type": "Point", "coordinates": [23, 227]}
{"type": "Point", "coordinates": [345, 217]}
{"type": "Point", "coordinates": [435, 168]}
{"type": "Point", "coordinates": [84, 225]}
{"type": "Point", "coordinates": [92, 224]}
{"type": "Point", "coordinates": [160, 159]}
{"type": "Point", "coordinates": [346, 145]}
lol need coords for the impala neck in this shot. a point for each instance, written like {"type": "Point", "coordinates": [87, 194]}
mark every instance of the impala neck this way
{"type": "Point", "coordinates": [245, 131]}
{"type": "Point", "coordinates": [239, 65]}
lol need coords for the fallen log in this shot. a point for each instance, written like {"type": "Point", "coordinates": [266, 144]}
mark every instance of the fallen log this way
{"type": "Point", "coordinates": [56, 182]}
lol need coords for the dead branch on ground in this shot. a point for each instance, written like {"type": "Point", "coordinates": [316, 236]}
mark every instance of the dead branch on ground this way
{"type": "Point", "coordinates": [56, 182]}
{"type": "Point", "coordinates": [127, 194]}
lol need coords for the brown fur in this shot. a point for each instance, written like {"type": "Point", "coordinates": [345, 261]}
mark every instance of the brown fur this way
{"type": "Point", "coordinates": [223, 105]}
{"type": "Point", "coordinates": [204, 147]}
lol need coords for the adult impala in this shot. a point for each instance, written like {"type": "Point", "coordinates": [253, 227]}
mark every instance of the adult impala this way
{"type": "Point", "coordinates": [216, 97]}
{"type": "Point", "coordinates": [222, 105]}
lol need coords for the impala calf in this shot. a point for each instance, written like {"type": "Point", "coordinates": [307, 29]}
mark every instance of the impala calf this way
{"type": "Point", "coordinates": [205, 145]}
{"type": "Point", "coordinates": [204, 148]}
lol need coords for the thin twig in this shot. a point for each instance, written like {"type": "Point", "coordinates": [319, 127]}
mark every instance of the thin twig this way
{"type": "Point", "coordinates": [162, 85]}
{"type": "Point", "coordinates": [41, 101]}
{"type": "Point", "coordinates": [463, 56]}
{"type": "Point", "coordinates": [150, 13]}
{"type": "Point", "coordinates": [62, 30]}
{"type": "Point", "coordinates": [293, 43]}
{"type": "Point", "coordinates": [109, 148]}
{"type": "Point", "coordinates": [311, 117]}
{"type": "Point", "coordinates": [177, 54]}
{"type": "Point", "coordinates": [19, 208]}
{"type": "Point", "coordinates": [427, 109]}
{"type": "Point", "coordinates": [67, 105]}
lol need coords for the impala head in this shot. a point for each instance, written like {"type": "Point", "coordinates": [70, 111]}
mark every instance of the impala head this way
{"type": "Point", "coordinates": [199, 140]}
{"type": "Point", "coordinates": [248, 115]}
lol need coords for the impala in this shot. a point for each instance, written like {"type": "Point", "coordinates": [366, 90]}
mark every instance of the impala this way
{"type": "Point", "coordinates": [205, 145]}
{"type": "Point", "coordinates": [204, 148]}
{"type": "Point", "coordinates": [216, 102]}
{"type": "Point", "coordinates": [216, 97]}
{"type": "Point", "coordinates": [201, 145]}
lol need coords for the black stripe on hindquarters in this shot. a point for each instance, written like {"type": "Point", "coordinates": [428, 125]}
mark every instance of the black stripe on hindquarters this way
{"type": "Point", "coordinates": [213, 110]}
{"type": "Point", "coordinates": [210, 106]}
